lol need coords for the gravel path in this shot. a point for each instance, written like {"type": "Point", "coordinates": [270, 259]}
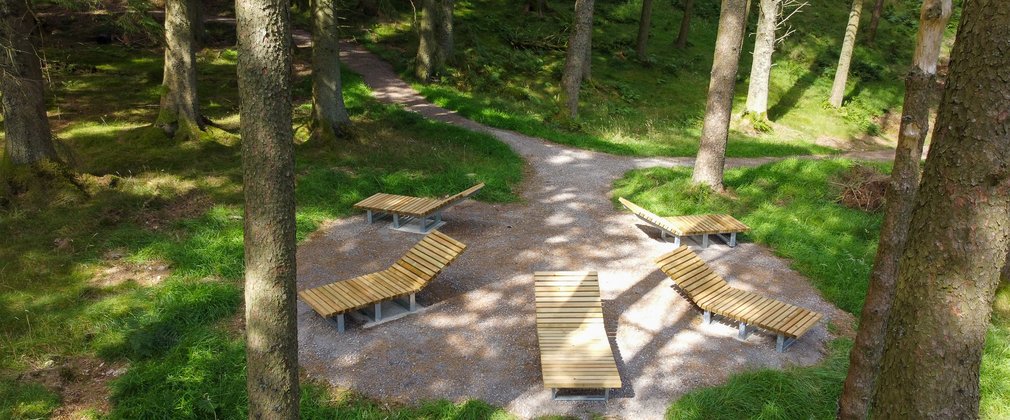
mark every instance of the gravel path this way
{"type": "Point", "coordinates": [476, 337]}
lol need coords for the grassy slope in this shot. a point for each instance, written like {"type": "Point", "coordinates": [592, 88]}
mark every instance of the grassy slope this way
{"type": "Point", "coordinates": [185, 357]}
{"type": "Point", "coordinates": [509, 68]}
{"type": "Point", "coordinates": [791, 207]}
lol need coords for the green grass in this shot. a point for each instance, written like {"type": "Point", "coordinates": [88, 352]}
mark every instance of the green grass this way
{"type": "Point", "coordinates": [791, 207]}
{"type": "Point", "coordinates": [509, 66]}
{"type": "Point", "coordinates": [157, 202]}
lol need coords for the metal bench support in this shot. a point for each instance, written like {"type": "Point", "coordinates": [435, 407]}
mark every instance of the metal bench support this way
{"type": "Point", "coordinates": [338, 322]}
{"type": "Point", "coordinates": [782, 343]}
{"type": "Point", "coordinates": [604, 397]}
{"type": "Point", "coordinates": [704, 241]}
{"type": "Point", "coordinates": [707, 317]}
{"type": "Point", "coordinates": [743, 331]}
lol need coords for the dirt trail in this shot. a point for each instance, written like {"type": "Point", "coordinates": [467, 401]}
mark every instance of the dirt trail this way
{"type": "Point", "coordinates": [476, 338]}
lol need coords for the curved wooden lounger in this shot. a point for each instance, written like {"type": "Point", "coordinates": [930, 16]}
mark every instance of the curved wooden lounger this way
{"type": "Point", "coordinates": [713, 295]}
{"type": "Point", "coordinates": [574, 349]}
{"type": "Point", "coordinates": [413, 207]}
{"type": "Point", "coordinates": [692, 225]}
{"type": "Point", "coordinates": [407, 276]}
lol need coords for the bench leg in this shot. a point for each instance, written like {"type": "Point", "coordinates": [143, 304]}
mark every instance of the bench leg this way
{"type": "Point", "coordinates": [413, 303]}
{"type": "Point", "coordinates": [707, 317]}
{"type": "Point", "coordinates": [782, 343]}
{"type": "Point", "coordinates": [606, 394]}
{"type": "Point", "coordinates": [743, 331]}
{"type": "Point", "coordinates": [396, 220]}
{"type": "Point", "coordinates": [438, 217]}
{"type": "Point", "coordinates": [704, 241]}
{"type": "Point", "coordinates": [369, 217]}
{"type": "Point", "coordinates": [662, 234]}
{"type": "Point", "coordinates": [676, 241]}
{"type": "Point", "coordinates": [378, 312]}
{"type": "Point", "coordinates": [732, 239]}
{"type": "Point", "coordinates": [339, 322]}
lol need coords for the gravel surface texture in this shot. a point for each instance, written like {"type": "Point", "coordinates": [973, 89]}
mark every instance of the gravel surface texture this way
{"type": "Point", "coordinates": [476, 336]}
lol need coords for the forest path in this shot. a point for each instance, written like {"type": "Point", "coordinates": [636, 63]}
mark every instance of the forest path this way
{"type": "Point", "coordinates": [476, 336]}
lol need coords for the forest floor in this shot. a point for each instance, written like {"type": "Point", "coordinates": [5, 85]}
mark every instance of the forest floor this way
{"type": "Point", "coordinates": [477, 337]}
{"type": "Point", "coordinates": [509, 60]}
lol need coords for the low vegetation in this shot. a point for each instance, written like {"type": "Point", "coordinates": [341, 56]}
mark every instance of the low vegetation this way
{"type": "Point", "coordinates": [145, 271]}
{"type": "Point", "coordinates": [509, 65]}
{"type": "Point", "coordinates": [796, 208]}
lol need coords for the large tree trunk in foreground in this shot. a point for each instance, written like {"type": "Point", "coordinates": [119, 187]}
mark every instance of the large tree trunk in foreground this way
{"type": "Point", "coordinates": [708, 167]}
{"type": "Point", "coordinates": [845, 58]}
{"type": "Point", "coordinates": [29, 139]}
{"type": "Point", "coordinates": [959, 235]}
{"type": "Point", "coordinates": [264, 76]}
{"type": "Point", "coordinates": [577, 59]}
{"type": "Point", "coordinates": [864, 360]}
{"type": "Point", "coordinates": [329, 115]}
{"type": "Point", "coordinates": [685, 25]}
{"type": "Point", "coordinates": [871, 32]}
{"type": "Point", "coordinates": [180, 105]}
{"type": "Point", "coordinates": [761, 67]}
{"type": "Point", "coordinates": [644, 25]}
{"type": "Point", "coordinates": [435, 44]}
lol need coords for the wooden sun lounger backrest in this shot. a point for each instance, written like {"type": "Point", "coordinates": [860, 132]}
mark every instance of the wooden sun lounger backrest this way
{"type": "Point", "coordinates": [461, 195]}
{"type": "Point", "coordinates": [429, 256]}
{"type": "Point", "coordinates": [690, 273]}
{"type": "Point", "coordinates": [567, 299]}
{"type": "Point", "coordinates": [646, 215]}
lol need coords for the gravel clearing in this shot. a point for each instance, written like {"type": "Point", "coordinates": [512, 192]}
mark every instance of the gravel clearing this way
{"type": "Point", "coordinates": [476, 336]}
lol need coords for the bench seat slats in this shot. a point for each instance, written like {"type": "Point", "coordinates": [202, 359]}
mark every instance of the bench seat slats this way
{"type": "Point", "coordinates": [419, 266]}
{"type": "Point", "coordinates": [710, 292]}
{"type": "Point", "coordinates": [575, 350]}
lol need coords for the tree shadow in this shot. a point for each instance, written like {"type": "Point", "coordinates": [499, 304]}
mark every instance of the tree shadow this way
{"type": "Point", "coordinates": [791, 97]}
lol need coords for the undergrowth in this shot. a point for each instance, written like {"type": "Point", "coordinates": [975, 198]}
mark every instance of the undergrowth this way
{"type": "Point", "coordinates": [154, 201]}
{"type": "Point", "coordinates": [793, 207]}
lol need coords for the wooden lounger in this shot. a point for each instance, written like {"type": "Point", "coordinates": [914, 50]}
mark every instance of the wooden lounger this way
{"type": "Point", "coordinates": [693, 225]}
{"type": "Point", "coordinates": [713, 295]}
{"type": "Point", "coordinates": [413, 207]}
{"type": "Point", "coordinates": [406, 277]}
{"type": "Point", "coordinates": [575, 352]}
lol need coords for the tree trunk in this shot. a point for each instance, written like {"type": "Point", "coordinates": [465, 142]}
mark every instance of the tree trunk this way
{"type": "Point", "coordinates": [29, 139]}
{"type": "Point", "coordinates": [435, 44]}
{"type": "Point", "coordinates": [577, 60]}
{"type": "Point", "coordinates": [709, 165]}
{"type": "Point", "coordinates": [685, 25]}
{"type": "Point", "coordinates": [644, 25]}
{"type": "Point", "coordinates": [369, 7]}
{"type": "Point", "coordinates": [180, 105]}
{"type": "Point", "coordinates": [845, 59]}
{"type": "Point", "coordinates": [264, 76]}
{"type": "Point", "coordinates": [329, 115]}
{"type": "Point", "coordinates": [871, 32]}
{"type": "Point", "coordinates": [761, 68]}
{"type": "Point", "coordinates": [864, 360]}
{"type": "Point", "coordinates": [958, 236]}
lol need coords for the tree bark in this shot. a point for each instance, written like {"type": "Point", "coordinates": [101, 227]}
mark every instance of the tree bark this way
{"type": "Point", "coordinates": [761, 67]}
{"type": "Point", "coordinates": [871, 32]}
{"type": "Point", "coordinates": [577, 59]}
{"type": "Point", "coordinates": [685, 25]}
{"type": "Point", "coordinates": [864, 359]}
{"type": "Point", "coordinates": [329, 115]}
{"type": "Point", "coordinates": [644, 25]}
{"type": "Point", "coordinates": [958, 236]}
{"type": "Point", "coordinates": [435, 43]}
{"type": "Point", "coordinates": [264, 76]}
{"type": "Point", "coordinates": [845, 59]}
{"type": "Point", "coordinates": [180, 105]}
{"type": "Point", "coordinates": [29, 138]}
{"type": "Point", "coordinates": [709, 166]}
